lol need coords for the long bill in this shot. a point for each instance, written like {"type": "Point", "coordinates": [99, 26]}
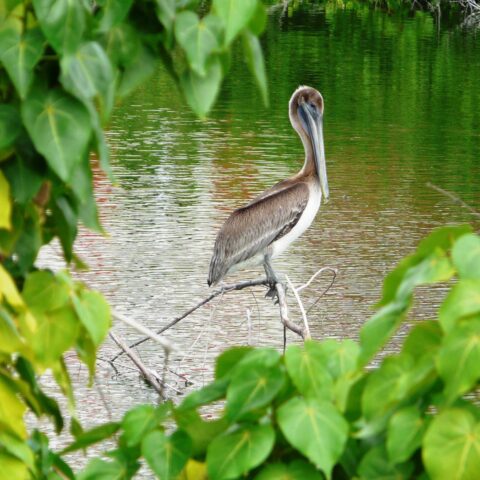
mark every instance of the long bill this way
{"type": "Point", "coordinates": [313, 125]}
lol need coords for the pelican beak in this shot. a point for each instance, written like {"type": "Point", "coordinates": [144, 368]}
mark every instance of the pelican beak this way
{"type": "Point", "coordinates": [312, 122]}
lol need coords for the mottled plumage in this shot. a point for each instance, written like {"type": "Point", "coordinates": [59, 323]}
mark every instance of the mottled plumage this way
{"type": "Point", "coordinates": [266, 226]}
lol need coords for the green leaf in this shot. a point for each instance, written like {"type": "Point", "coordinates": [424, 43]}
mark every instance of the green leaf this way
{"type": "Point", "coordinates": [5, 203]}
{"type": "Point", "coordinates": [459, 358]}
{"type": "Point", "coordinates": [316, 429]}
{"type": "Point", "coordinates": [11, 410]}
{"type": "Point", "coordinates": [82, 186]}
{"type": "Point", "coordinates": [418, 269]}
{"type": "Point", "coordinates": [65, 218]}
{"type": "Point", "coordinates": [466, 256]}
{"type": "Point", "coordinates": [30, 240]}
{"type": "Point", "coordinates": [253, 387]}
{"type": "Point", "coordinates": [19, 53]}
{"type": "Point", "coordinates": [24, 178]}
{"type": "Point", "coordinates": [56, 333]}
{"type": "Point", "coordinates": [94, 313]}
{"type": "Point", "coordinates": [201, 432]}
{"type": "Point", "coordinates": [440, 240]}
{"type": "Point", "coordinates": [34, 396]}
{"type": "Point", "coordinates": [167, 456]}
{"type": "Point", "coordinates": [375, 466]}
{"type": "Point", "coordinates": [112, 13]}
{"type": "Point", "coordinates": [92, 436]}
{"type": "Point", "coordinates": [451, 446]}
{"type": "Point", "coordinates": [44, 292]}
{"type": "Point", "coordinates": [256, 63]}
{"type": "Point", "coordinates": [143, 419]}
{"type": "Point", "coordinates": [463, 300]}
{"type": "Point", "coordinates": [199, 38]}
{"type": "Point", "coordinates": [87, 74]}
{"type": "Point", "coordinates": [166, 13]}
{"type": "Point", "coordinates": [405, 433]}
{"type": "Point", "coordinates": [234, 454]}
{"type": "Point", "coordinates": [59, 126]}
{"type": "Point", "coordinates": [10, 339]}
{"type": "Point", "coordinates": [379, 328]}
{"type": "Point", "coordinates": [13, 468]}
{"type": "Point", "coordinates": [296, 470]}
{"type": "Point", "coordinates": [101, 470]}
{"type": "Point", "coordinates": [259, 19]}
{"type": "Point", "coordinates": [87, 352]}
{"type": "Point", "coordinates": [424, 339]}
{"type": "Point", "coordinates": [398, 379]}
{"type": "Point", "coordinates": [9, 126]}
{"type": "Point", "coordinates": [228, 359]}
{"type": "Point", "coordinates": [140, 67]}
{"type": "Point", "coordinates": [201, 92]}
{"type": "Point", "coordinates": [210, 393]}
{"type": "Point", "coordinates": [308, 370]}
{"type": "Point", "coordinates": [236, 15]}
{"type": "Point", "coordinates": [63, 22]}
{"type": "Point", "coordinates": [18, 448]}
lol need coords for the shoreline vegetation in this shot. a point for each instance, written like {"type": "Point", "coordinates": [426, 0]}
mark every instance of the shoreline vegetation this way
{"type": "Point", "coordinates": [463, 13]}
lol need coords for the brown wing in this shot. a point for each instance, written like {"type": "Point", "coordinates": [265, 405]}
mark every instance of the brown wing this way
{"type": "Point", "coordinates": [249, 230]}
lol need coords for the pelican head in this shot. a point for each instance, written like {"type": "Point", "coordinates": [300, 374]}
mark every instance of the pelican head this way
{"type": "Point", "coordinates": [306, 116]}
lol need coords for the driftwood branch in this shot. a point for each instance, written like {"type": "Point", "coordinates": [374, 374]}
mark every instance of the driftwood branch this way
{"type": "Point", "coordinates": [302, 332]}
{"type": "Point", "coordinates": [165, 344]}
{"type": "Point", "coordinates": [282, 302]}
{"type": "Point", "coordinates": [147, 374]}
{"type": "Point", "coordinates": [306, 328]}
{"type": "Point", "coordinates": [214, 294]}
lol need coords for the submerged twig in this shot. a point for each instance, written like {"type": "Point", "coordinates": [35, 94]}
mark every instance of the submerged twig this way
{"type": "Point", "coordinates": [454, 198]}
{"type": "Point", "coordinates": [152, 379]}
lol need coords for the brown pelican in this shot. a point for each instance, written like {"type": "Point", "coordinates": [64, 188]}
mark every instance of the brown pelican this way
{"type": "Point", "coordinates": [264, 228]}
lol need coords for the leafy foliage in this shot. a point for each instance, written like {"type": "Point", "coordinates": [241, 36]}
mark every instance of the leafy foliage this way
{"type": "Point", "coordinates": [63, 64]}
{"type": "Point", "coordinates": [317, 411]}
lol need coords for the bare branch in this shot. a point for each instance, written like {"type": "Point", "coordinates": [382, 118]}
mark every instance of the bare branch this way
{"type": "Point", "coordinates": [455, 199]}
{"type": "Point", "coordinates": [165, 344]}
{"type": "Point", "coordinates": [216, 293]}
{"type": "Point", "coordinates": [153, 380]}
{"type": "Point", "coordinates": [315, 275]}
{"type": "Point", "coordinates": [282, 302]}
{"type": "Point", "coordinates": [306, 328]}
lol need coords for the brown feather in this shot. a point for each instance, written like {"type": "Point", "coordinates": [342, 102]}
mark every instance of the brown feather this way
{"type": "Point", "coordinates": [252, 229]}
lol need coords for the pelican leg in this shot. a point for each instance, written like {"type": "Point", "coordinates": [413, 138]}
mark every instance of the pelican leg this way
{"type": "Point", "coordinates": [272, 278]}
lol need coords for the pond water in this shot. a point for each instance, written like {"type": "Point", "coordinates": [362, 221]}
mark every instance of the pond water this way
{"type": "Point", "coordinates": [402, 108]}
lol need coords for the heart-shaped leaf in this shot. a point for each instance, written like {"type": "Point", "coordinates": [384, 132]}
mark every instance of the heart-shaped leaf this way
{"type": "Point", "coordinates": [199, 38]}
{"type": "Point", "coordinates": [256, 63]}
{"type": "Point", "coordinates": [463, 300]}
{"type": "Point", "coordinates": [236, 15]}
{"type": "Point", "coordinates": [59, 126]}
{"type": "Point", "coordinates": [405, 432]}
{"type": "Point", "coordinates": [316, 429]}
{"type": "Point", "coordinates": [459, 358]}
{"type": "Point", "coordinates": [63, 22]}
{"type": "Point", "coordinates": [166, 455]}
{"type": "Point", "coordinates": [19, 53]}
{"type": "Point", "coordinates": [466, 256]}
{"type": "Point", "coordinates": [87, 73]}
{"type": "Point", "coordinates": [199, 91]}
{"type": "Point", "coordinates": [234, 454]}
{"type": "Point", "coordinates": [451, 446]}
